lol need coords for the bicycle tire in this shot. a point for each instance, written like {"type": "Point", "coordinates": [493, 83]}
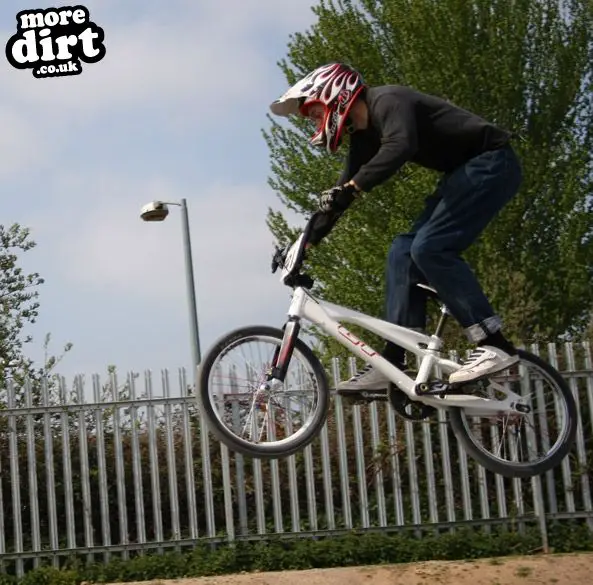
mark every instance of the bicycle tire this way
{"type": "Point", "coordinates": [271, 450]}
{"type": "Point", "coordinates": [527, 470]}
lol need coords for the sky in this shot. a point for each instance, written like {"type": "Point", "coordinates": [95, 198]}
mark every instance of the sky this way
{"type": "Point", "coordinates": [174, 109]}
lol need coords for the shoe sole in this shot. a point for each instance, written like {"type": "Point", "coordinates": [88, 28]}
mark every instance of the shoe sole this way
{"type": "Point", "coordinates": [383, 388]}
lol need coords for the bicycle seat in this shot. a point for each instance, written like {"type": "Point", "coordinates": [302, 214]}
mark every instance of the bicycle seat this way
{"type": "Point", "coordinates": [431, 292]}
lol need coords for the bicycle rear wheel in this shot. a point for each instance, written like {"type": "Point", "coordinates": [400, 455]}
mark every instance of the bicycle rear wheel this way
{"type": "Point", "coordinates": [499, 443]}
{"type": "Point", "coordinates": [250, 418]}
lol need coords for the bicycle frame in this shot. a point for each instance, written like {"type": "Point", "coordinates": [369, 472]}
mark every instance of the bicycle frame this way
{"type": "Point", "coordinates": [329, 317]}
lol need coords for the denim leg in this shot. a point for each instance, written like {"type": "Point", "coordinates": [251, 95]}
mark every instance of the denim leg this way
{"type": "Point", "coordinates": [405, 303]}
{"type": "Point", "coordinates": [470, 198]}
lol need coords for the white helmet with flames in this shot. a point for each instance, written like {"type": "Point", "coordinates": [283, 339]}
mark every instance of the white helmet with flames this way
{"type": "Point", "coordinates": [335, 87]}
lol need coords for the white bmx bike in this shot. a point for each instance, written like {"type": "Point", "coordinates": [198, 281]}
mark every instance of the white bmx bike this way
{"type": "Point", "coordinates": [272, 402]}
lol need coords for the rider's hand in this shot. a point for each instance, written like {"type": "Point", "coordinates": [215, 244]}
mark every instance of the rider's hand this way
{"type": "Point", "coordinates": [337, 198]}
{"type": "Point", "coordinates": [279, 257]}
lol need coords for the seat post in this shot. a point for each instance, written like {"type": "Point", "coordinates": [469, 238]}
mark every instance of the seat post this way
{"type": "Point", "coordinates": [433, 294]}
{"type": "Point", "coordinates": [442, 320]}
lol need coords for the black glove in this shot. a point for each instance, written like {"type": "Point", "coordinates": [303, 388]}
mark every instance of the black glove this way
{"type": "Point", "coordinates": [279, 257]}
{"type": "Point", "coordinates": [337, 198]}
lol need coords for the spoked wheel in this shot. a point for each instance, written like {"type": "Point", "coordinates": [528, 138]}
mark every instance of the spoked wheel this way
{"type": "Point", "coordinates": [522, 445]}
{"type": "Point", "coordinates": [250, 418]}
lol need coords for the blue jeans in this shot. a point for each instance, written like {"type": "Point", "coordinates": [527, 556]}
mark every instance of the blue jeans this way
{"type": "Point", "coordinates": [464, 203]}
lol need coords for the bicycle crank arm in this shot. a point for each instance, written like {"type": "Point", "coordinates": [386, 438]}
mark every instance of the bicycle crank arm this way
{"type": "Point", "coordinates": [363, 396]}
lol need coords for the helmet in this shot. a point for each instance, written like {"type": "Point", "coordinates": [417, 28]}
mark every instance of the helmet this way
{"type": "Point", "coordinates": [334, 86]}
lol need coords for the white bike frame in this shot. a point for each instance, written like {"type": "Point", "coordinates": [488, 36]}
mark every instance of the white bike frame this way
{"type": "Point", "coordinates": [330, 317]}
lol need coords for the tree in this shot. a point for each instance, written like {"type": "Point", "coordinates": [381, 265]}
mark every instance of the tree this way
{"type": "Point", "coordinates": [19, 307]}
{"type": "Point", "coordinates": [524, 64]}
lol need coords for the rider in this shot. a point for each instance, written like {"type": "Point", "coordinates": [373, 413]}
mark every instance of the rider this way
{"type": "Point", "coordinates": [388, 126]}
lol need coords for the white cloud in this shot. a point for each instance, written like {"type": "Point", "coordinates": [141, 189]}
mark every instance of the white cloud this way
{"type": "Point", "coordinates": [91, 241]}
{"type": "Point", "coordinates": [205, 60]}
{"type": "Point", "coordinates": [21, 144]}
{"type": "Point", "coordinates": [190, 62]}
{"type": "Point", "coordinates": [109, 249]}
{"type": "Point", "coordinates": [146, 64]}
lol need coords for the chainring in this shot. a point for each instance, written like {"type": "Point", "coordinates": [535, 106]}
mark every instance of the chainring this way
{"type": "Point", "coordinates": [400, 402]}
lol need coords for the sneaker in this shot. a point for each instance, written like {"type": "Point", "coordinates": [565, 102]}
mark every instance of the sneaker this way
{"type": "Point", "coordinates": [482, 362]}
{"type": "Point", "coordinates": [366, 379]}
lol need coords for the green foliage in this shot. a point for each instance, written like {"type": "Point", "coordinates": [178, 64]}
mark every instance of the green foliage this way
{"type": "Point", "coordinates": [118, 449]}
{"type": "Point", "coordinates": [18, 295]}
{"type": "Point", "coordinates": [524, 64]}
{"type": "Point", "coordinates": [353, 549]}
{"type": "Point", "coordinates": [19, 307]}
{"type": "Point", "coordinates": [50, 576]}
{"type": "Point", "coordinates": [101, 444]}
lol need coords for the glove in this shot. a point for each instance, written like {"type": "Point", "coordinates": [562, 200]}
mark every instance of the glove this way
{"type": "Point", "coordinates": [279, 257]}
{"type": "Point", "coordinates": [337, 198]}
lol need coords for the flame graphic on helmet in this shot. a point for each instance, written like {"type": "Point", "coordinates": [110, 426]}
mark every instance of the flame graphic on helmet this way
{"type": "Point", "coordinates": [335, 87]}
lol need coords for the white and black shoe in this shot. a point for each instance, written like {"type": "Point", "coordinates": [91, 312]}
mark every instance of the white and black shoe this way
{"type": "Point", "coordinates": [482, 362]}
{"type": "Point", "coordinates": [367, 379]}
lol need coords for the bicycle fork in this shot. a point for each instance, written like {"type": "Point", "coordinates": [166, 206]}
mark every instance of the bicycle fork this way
{"type": "Point", "coordinates": [283, 353]}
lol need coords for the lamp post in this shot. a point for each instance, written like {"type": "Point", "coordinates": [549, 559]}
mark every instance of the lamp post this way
{"type": "Point", "coordinates": [158, 211]}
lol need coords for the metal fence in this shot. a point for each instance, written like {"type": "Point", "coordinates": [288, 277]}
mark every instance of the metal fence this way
{"type": "Point", "coordinates": [121, 465]}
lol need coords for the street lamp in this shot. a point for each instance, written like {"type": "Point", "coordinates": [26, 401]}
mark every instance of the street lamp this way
{"type": "Point", "coordinates": [158, 211]}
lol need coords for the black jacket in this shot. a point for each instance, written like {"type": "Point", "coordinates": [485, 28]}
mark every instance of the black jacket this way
{"type": "Point", "coordinates": [409, 126]}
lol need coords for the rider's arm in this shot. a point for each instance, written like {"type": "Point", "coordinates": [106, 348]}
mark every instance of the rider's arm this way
{"type": "Point", "coordinates": [326, 221]}
{"type": "Point", "coordinates": [322, 226]}
{"type": "Point", "coordinates": [395, 118]}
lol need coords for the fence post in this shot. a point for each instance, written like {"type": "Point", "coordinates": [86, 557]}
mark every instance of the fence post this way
{"type": "Point", "coordinates": [540, 512]}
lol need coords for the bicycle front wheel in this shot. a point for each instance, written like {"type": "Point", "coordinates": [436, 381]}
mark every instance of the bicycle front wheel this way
{"type": "Point", "coordinates": [265, 420]}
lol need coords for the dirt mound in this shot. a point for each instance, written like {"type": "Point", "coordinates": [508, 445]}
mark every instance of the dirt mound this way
{"type": "Point", "coordinates": [576, 569]}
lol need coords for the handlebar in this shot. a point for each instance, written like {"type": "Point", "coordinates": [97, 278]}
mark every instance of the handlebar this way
{"type": "Point", "coordinates": [291, 260]}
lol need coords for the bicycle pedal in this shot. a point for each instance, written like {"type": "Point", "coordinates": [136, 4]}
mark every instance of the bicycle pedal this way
{"type": "Point", "coordinates": [438, 389]}
{"type": "Point", "coordinates": [435, 388]}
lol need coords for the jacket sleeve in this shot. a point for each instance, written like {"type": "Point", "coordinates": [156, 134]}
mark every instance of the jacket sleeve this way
{"type": "Point", "coordinates": [396, 121]}
{"type": "Point", "coordinates": [327, 221]}
{"type": "Point", "coordinates": [323, 226]}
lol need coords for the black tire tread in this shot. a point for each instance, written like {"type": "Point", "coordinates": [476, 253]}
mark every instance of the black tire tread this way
{"type": "Point", "coordinates": [223, 434]}
{"type": "Point", "coordinates": [525, 470]}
